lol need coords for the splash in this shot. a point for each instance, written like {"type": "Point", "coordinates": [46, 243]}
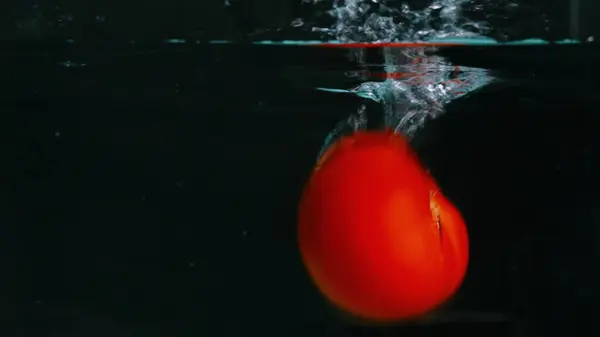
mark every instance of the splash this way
{"type": "Point", "coordinates": [414, 86]}
{"type": "Point", "coordinates": [388, 21]}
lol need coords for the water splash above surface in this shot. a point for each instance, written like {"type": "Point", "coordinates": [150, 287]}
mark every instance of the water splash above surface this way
{"type": "Point", "coordinates": [388, 21]}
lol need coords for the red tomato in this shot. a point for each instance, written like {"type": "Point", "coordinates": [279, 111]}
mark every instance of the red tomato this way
{"type": "Point", "coordinates": [375, 233]}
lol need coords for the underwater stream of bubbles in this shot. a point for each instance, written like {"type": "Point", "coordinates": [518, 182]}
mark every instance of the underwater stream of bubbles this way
{"type": "Point", "coordinates": [416, 86]}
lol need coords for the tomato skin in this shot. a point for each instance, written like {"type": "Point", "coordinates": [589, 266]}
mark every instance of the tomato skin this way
{"type": "Point", "coordinates": [368, 230]}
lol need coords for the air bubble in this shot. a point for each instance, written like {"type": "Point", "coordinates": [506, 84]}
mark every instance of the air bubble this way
{"type": "Point", "coordinates": [297, 22]}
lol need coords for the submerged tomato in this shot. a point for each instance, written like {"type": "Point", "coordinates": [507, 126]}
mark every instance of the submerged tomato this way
{"type": "Point", "coordinates": [375, 233]}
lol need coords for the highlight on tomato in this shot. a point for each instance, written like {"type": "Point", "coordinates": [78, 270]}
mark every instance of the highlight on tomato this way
{"type": "Point", "coordinates": [376, 234]}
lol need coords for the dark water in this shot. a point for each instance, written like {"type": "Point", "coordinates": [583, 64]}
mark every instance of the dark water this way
{"type": "Point", "coordinates": [152, 192]}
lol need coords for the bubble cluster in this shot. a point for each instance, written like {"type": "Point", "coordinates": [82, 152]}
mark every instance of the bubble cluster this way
{"type": "Point", "coordinates": [388, 21]}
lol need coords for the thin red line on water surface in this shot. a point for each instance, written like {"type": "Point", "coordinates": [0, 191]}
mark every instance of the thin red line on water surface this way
{"type": "Point", "coordinates": [398, 75]}
{"type": "Point", "coordinates": [401, 75]}
{"type": "Point", "coordinates": [388, 44]}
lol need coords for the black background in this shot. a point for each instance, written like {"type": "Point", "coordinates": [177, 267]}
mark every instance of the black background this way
{"type": "Point", "coordinates": [152, 192]}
